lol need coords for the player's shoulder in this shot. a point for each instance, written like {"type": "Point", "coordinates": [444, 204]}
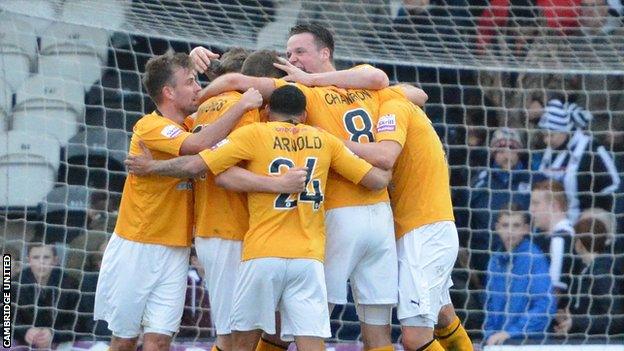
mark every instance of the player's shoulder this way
{"type": "Point", "coordinates": [218, 102]}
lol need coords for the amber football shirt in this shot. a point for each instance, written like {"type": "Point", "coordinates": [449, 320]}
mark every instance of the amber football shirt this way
{"type": "Point", "coordinates": [420, 192]}
{"type": "Point", "coordinates": [349, 114]}
{"type": "Point", "coordinates": [156, 209]}
{"type": "Point", "coordinates": [286, 225]}
{"type": "Point", "coordinates": [220, 213]}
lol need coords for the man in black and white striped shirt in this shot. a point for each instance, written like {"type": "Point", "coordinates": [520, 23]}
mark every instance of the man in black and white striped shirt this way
{"type": "Point", "coordinates": [586, 170]}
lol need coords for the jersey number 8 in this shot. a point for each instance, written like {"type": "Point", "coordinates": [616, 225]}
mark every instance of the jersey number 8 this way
{"type": "Point", "coordinates": [365, 127]}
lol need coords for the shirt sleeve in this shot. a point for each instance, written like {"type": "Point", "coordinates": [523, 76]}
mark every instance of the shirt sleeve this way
{"type": "Point", "coordinates": [345, 162]}
{"type": "Point", "coordinates": [393, 121]}
{"type": "Point", "coordinates": [160, 135]}
{"type": "Point", "coordinates": [237, 147]}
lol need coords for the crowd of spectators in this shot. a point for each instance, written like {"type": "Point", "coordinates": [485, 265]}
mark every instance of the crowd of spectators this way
{"type": "Point", "coordinates": [536, 162]}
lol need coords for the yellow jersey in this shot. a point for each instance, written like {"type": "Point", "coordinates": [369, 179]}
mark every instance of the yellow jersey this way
{"type": "Point", "coordinates": [286, 225]}
{"type": "Point", "coordinates": [156, 209]}
{"type": "Point", "coordinates": [220, 213]}
{"type": "Point", "coordinates": [420, 193]}
{"type": "Point", "coordinates": [349, 114]}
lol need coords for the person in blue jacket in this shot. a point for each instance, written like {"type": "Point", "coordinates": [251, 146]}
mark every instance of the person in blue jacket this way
{"type": "Point", "coordinates": [519, 301]}
{"type": "Point", "coordinates": [506, 180]}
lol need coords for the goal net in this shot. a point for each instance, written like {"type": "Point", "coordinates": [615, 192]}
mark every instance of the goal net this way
{"type": "Point", "coordinates": [503, 77]}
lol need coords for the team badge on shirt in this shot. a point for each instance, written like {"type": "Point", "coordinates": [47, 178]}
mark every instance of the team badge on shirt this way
{"type": "Point", "coordinates": [171, 131]}
{"type": "Point", "coordinates": [387, 123]}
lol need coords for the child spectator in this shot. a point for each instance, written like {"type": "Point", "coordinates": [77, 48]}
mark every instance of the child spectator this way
{"type": "Point", "coordinates": [519, 302]}
{"type": "Point", "coordinates": [46, 300]}
{"type": "Point", "coordinates": [595, 305]}
{"type": "Point", "coordinates": [554, 230]}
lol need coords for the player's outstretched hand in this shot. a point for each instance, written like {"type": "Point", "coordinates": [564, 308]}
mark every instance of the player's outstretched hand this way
{"type": "Point", "coordinates": [251, 99]}
{"type": "Point", "coordinates": [140, 164]}
{"type": "Point", "coordinates": [293, 181]}
{"type": "Point", "coordinates": [201, 58]}
{"type": "Point", "coordinates": [293, 73]}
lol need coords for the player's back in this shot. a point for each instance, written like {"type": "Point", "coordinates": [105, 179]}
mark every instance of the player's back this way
{"type": "Point", "coordinates": [218, 212]}
{"type": "Point", "coordinates": [420, 189]}
{"type": "Point", "coordinates": [349, 114]}
{"type": "Point", "coordinates": [156, 209]}
{"type": "Point", "coordinates": [286, 225]}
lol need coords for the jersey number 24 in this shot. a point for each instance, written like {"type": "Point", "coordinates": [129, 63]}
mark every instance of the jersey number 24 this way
{"type": "Point", "coordinates": [284, 201]}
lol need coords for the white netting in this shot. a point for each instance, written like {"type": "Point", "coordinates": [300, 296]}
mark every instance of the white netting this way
{"type": "Point", "coordinates": [70, 92]}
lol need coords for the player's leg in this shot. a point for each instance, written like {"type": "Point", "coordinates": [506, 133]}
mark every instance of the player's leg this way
{"type": "Point", "coordinates": [165, 304]}
{"type": "Point", "coordinates": [256, 295]}
{"type": "Point", "coordinates": [245, 340]}
{"type": "Point", "coordinates": [309, 343]}
{"type": "Point", "coordinates": [303, 307]}
{"type": "Point", "coordinates": [123, 344]}
{"type": "Point", "coordinates": [426, 257]}
{"type": "Point", "coordinates": [272, 342]}
{"type": "Point", "coordinates": [121, 297]}
{"type": "Point", "coordinates": [449, 330]}
{"type": "Point", "coordinates": [374, 280]}
{"type": "Point", "coordinates": [343, 226]}
{"type": "Point", "coordinates": [156, 342]}
{"type": "Point", "coordinates": [220, 259]}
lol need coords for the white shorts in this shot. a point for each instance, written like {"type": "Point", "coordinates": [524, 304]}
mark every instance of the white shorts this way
{"type": "Point", "coordinates": [361, 247]}
{"type": "Point", "coordinates": [141, 285]}
{"type": "Point", "coordinates": [220, 258]}
{"type": "Point", "coordinates": [295, 287]}
{"type": "Point", "coordinates": [426, 258]}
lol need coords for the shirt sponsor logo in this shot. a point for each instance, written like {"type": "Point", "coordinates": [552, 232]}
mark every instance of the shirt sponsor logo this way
{"type": "Point", "coordinates": [171, 131]}
{"type": "Point", "coordinates": [219, 144]}
{"type": "Point", "coordinates": [387, 123]}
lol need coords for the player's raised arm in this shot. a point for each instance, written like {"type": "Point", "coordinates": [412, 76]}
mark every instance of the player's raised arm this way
{"type": "Point", "coordinates": [201, 58]}
{"type": "Point", "coordinates": [364, 77]}
{"type": "Point", "coordinates": [414, 94]}
{"type": "Point", "coordinates": [241, 180]}
{"type": "Point", "coordinates": [237, 81]}
{"type": "Point", "coordinates": [212, 133]}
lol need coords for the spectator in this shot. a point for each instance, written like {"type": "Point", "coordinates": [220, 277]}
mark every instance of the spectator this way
{"type": "Point", "coordinates": [93, 262]}
{"type": "Point", "coordinates": [587, 171]}
{"type": "Point", "coordinates": [595, 306]}
{"type": "Point", "coordinates": [554, 230]}
{"type": "Point", "coordinates": [599, 17]}
{"type": "Point", "coordinates": [519, 303]}
{"type": "Point", "coordinates": [506, 180]}
{"type": "Point", "coordinates": [46, 300]}
{"type": "Point", "coordinates": [196, 322]}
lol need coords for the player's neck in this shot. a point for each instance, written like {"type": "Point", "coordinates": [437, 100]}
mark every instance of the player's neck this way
{"type": "Point", "coordinates": [171, 112]}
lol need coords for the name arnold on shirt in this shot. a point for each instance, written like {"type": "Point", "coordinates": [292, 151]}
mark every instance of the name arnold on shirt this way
{"type": "Point", "coordinates": [296, 144]}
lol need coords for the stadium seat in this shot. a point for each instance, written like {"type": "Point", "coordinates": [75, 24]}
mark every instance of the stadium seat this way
{"type": "Point", "coordinates": [18, 47]}
{"type": "Point", "coordinates": [28, 166]}
{"type": "Point", "coordinates": [39, 13]}
{"type": "Point", "coordinates": [73, 52]}
{"type": "Point", "coordinates": [275, 33]}
{"type": "Point", "coordinates": [49, 105]}
{"type": "Point", "coordinates": [108, 14]}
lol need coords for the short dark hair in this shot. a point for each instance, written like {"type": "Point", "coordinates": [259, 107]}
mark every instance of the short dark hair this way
{"type": "Point", "coordinates": [159, 72]}
{"type": "Point", "coordinates": [592, 234]}
{"type": "Point", "coordinates": [287, 100]}
{"type": "Point", "coordinates": [230, 62]}
{"type": "Point", "coordinates": [322, 36]}
{"type": "Point", "coordinates": [512, 209]}
{"type": "Point", "coordinates": [38, 243]}
{"type": "Point", "coordinates": [260, 64]}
